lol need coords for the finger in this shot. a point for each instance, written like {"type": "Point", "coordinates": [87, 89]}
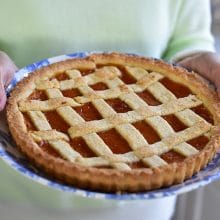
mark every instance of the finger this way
{"type": "Point", "coordinates": [8, 67]}
{"type": "Point", "coordinates": [199, 67]}
{"type": "Point", "coordinates": [2, 95]}
{"type": "Point", "coordinates": [187, 63]}
{"type": "Point", "coordinates": [9, 73]}
{"type": "Point", "coordinates": [8, 77]}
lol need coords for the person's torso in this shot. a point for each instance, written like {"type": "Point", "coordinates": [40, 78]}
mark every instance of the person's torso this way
{"type": "Point", "coordinates": [32, 30]}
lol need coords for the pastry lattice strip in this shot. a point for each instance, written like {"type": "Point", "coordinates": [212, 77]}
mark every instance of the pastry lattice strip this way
{"type": "Point", "coordinates": [77, 81]}
{"type": "Point", "coordinates": [138, 143]}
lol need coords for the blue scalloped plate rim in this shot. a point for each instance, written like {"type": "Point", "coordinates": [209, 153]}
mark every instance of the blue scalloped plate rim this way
{"type": "Point", "coordinates": [9, 153]}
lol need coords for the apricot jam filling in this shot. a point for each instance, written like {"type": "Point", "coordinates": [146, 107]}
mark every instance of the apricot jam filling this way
{"type": "Point", "coordinates": [118, 105]}
{"type": "Point", "coordinates": [147, 131]}
{"type": "Point", "coordinates": [71, 93]}
{"type": "Point", "coordinates": [172, 157]}
{"type": "Point", "coordinates": [64, 76]}
{"type": "Point", "coordinates": [177, 89]}
{"type": "Point", "coordinates": [61, 76]}
{"type": "Point", "coordinates": [79, 145]}
{"type": "Point", "coordinates": [125, 76]}
{"type": "Point", "coordinates": [85, 72]}
{"type": "Point", "coordinates": [88, 112]}
{"type": "Point", "coordinates": [199, 142]}
{"type": "Point", "coordinates": [148, 98]}
{"type": "Point", "coordinates": [45, 146]}
{"type": "Point", "coordinates": [137, 165]}
{"type": "Point", "coordinates": [56, 121]}
{"type": "Point", "coordinates": [202, 111]}
{"type": "Point", "coordinates": [38, 95]}
{"type": "Point", "coordinates": [99, 86]}
{"type": "Point", "coordinates": [29, 124]}
{"type": "Point", "coordinates": [115, 141]}
{"type": "Point", "coordinates": [174, 122]}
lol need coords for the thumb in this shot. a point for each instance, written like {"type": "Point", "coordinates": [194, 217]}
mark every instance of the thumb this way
{"type": "Point", "coordinates": [187, 63]}
{"type": "Point", "coordinates": [2, 95]}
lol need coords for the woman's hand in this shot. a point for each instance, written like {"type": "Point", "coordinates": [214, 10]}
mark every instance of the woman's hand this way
{"type": "Point", "coordinates": [7, 70]}
{"type": "Point", "coordinates": [207, 64]}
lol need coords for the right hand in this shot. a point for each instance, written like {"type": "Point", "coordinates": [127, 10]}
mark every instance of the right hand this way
{"type": "Point", "coordinates": [7, 70]}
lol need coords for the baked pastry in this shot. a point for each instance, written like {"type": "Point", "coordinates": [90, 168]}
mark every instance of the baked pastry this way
{"type": "Point", "coordinates": [114, 122]}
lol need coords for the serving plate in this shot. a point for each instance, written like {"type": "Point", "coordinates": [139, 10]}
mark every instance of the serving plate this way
{"type": "Point", "coordinates": [10, 154]}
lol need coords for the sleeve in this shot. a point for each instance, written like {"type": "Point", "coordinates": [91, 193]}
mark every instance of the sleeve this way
{"type": "Point", "coordinates": [192, 31]}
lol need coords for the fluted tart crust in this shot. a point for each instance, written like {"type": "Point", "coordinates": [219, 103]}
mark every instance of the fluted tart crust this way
{"type": "Point", "coordinates": [115, 122]}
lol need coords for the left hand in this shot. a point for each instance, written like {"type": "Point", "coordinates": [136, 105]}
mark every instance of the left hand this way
{"type": "Point", "coordinates": [207, 64]}
{"type": "Point", "coordinates": [7, 70]}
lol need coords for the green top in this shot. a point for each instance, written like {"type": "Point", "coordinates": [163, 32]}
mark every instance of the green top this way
{"type": "Point", "coordinates": [33, 30]}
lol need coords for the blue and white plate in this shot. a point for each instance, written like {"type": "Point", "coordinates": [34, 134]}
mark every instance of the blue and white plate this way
{"type": "Point", "coordinates": [9, 153]}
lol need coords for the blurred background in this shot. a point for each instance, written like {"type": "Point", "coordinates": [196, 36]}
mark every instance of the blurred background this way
{"type": "Point", "coordinates": [203, 204]}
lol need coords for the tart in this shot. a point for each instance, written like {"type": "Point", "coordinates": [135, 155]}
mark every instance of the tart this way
{"type": "Point", "coordinates": [115, 123]}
